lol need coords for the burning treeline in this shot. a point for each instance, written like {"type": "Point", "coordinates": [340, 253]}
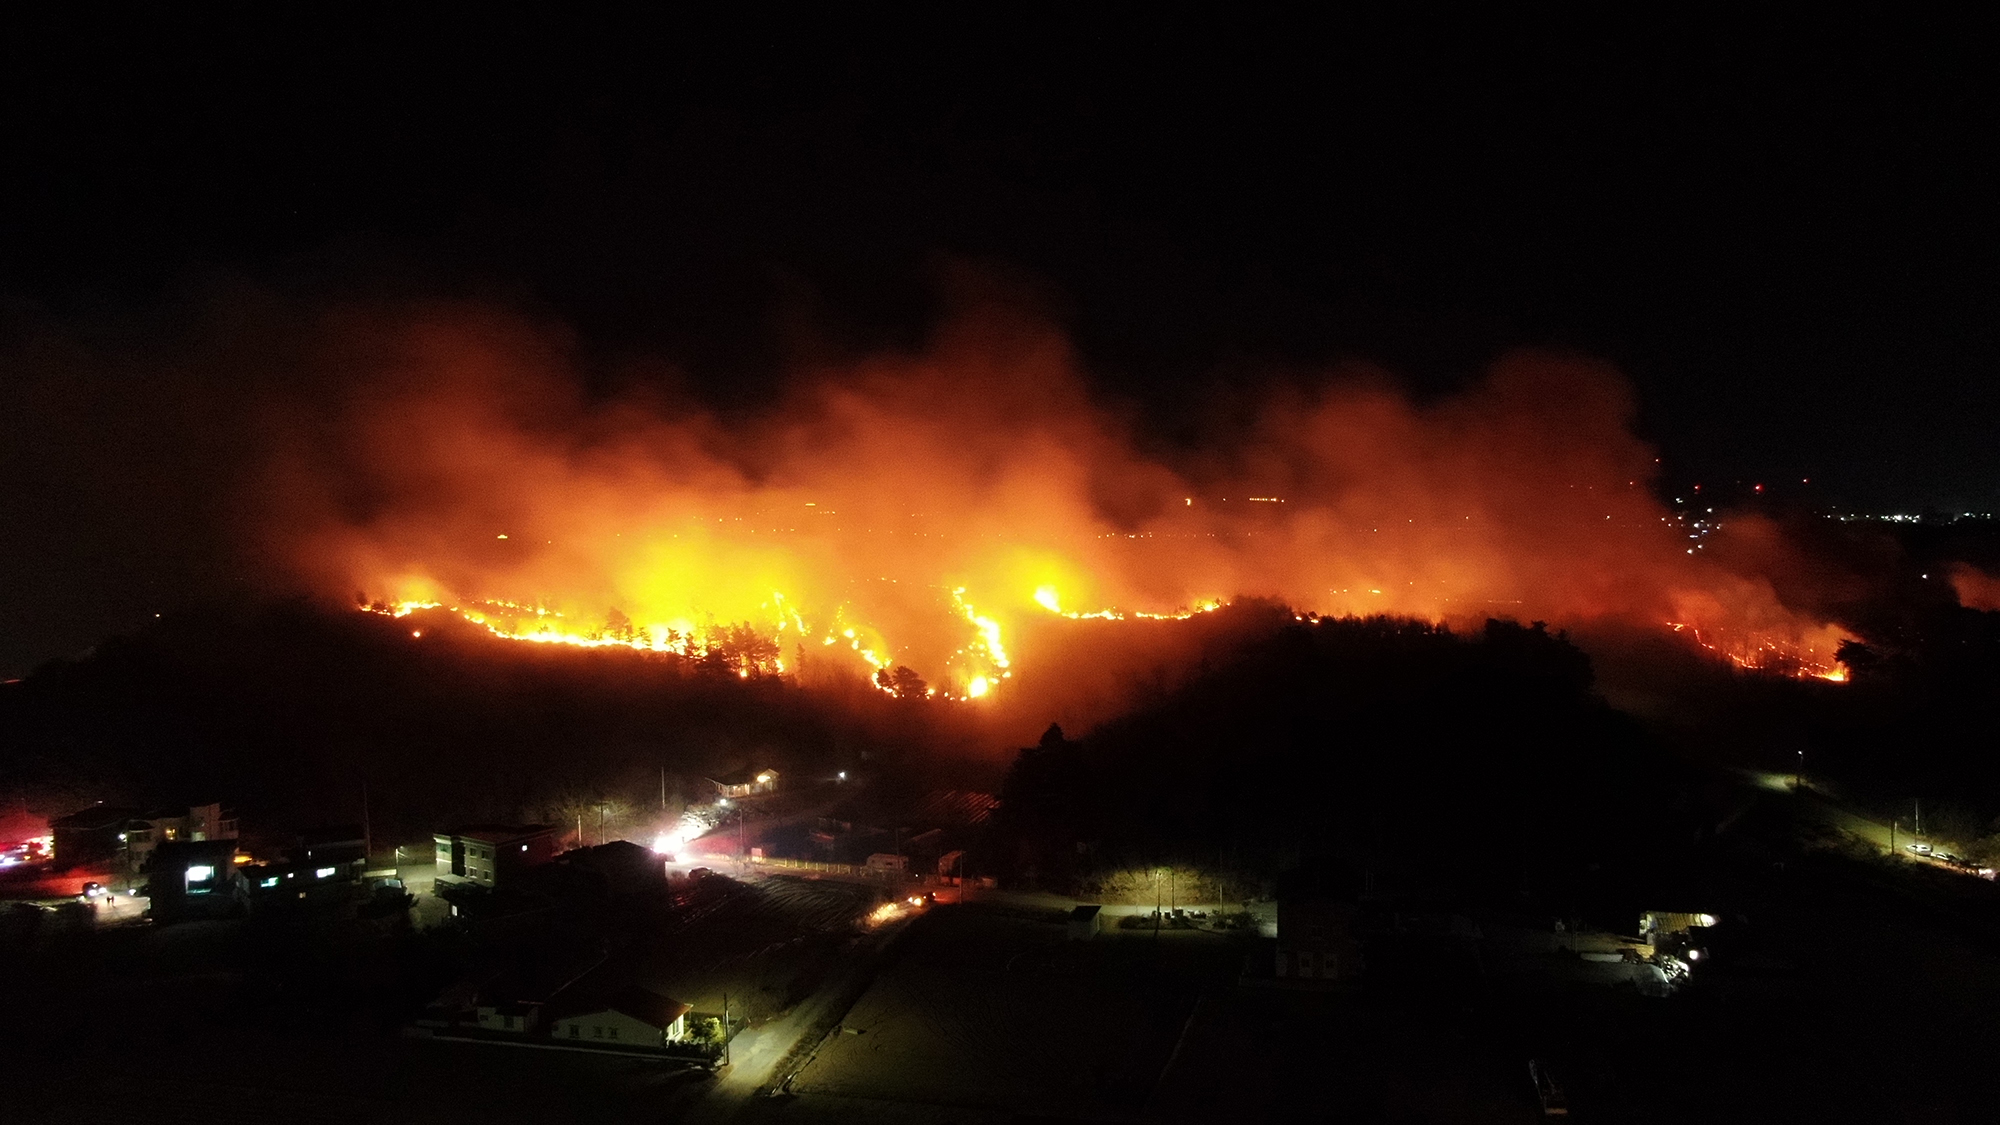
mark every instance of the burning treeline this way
{"type": "Point", "coordinates": [925, 520]}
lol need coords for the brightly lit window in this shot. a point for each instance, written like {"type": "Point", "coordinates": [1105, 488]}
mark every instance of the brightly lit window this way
{"type": "Point", "coordinates": [324, 873]}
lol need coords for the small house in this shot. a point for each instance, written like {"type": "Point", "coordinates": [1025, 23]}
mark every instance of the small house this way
{"type": "Point", "coordinates": [631, 1017]}
{"type": "Point", "coordinates": [889, 863]}
{"type": "Point", "coordinates": [508, 1017]}
{"type": "Point", "coordinates": [1319, 940]}
{"type": "Point", "coordinates": [745, 783]}
{"type": "Point", "coordinates": [620, 867]}
{"type": "Point", "coordinates": [1086, 922]}
{"type": "Point", "coordinates": [195, 879]}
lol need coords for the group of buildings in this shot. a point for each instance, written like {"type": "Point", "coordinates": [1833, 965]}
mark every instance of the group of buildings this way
{"type": "Point", "coordinates": [191, 862]}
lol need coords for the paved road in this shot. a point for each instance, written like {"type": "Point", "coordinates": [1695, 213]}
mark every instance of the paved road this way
{"type": "Point", "coordinates": [764, 1057]}
{"type": "Point", "coordinates": [1821, 808]}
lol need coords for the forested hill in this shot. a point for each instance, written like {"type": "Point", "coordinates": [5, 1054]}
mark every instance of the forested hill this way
{"type": "Point", "coordinates": [1387, 743]}
{"type": "Point", "coordinates": [284, 709]}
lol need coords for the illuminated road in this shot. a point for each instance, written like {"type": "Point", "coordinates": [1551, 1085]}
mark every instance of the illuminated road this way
{"type": "Point", "coordinates": [1817, 807]}
{"type": "Point", "coordinates": [764, 1057]}
{"type": "Point", "coordinates": [120, 909]}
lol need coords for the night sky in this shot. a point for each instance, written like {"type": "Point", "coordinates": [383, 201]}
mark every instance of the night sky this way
{"type": "Point", "coordinates": [1781, 233]}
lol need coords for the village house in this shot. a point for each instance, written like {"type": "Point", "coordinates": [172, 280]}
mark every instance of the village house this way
{"type": "Point", "coordinates": [322, 864]}
{"type": "Point", "coordinates": [195, 879]}
{"type": "Point", "coordinates": [126, 836]}
{"type": "Point", "coordinates": [744, 783]}
{"type": "Point", "coordinates": [509, 1017]}
{"type": "Point", "coordinates": [632, 1017]}
{"type": "Point", "coordinates": [147, 831]}
{"type": "Point", "coordinates": [1086, 922]}
{"type": "Point", "coordinates": [492, 855]}
{"type": "Point", "coordinates": [1319, 939]}
{"type": "Point", "coordinates": [619, 868]}
{"type": "Point", "coordinates": [888, 863]}
{"type": "Point", "coordinates": [93, 835]}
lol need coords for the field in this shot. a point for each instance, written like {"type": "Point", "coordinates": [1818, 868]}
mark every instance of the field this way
{"type": "Point", "coordinates": [991, 1009]}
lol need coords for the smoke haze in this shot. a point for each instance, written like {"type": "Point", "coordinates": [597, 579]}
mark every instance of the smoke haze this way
{"type": "Point", "coordinates": [939, 509]}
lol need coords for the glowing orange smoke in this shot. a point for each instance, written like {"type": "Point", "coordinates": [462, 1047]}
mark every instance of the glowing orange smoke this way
{"type": "Point", "coordinates": [1975, 588]}
{"type": "Point", "coordinates": [921, 511]}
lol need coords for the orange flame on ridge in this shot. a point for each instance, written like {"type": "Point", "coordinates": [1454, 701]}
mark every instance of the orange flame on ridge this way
{"type": "Point", "coordinates": [920, 511]}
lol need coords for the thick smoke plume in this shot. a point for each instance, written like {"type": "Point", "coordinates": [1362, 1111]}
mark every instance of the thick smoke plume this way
{"type": "Point", "coordinates": [944, 510]}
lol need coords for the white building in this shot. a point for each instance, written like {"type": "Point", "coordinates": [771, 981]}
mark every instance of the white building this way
{"type": "Point", "coordinates": [633, 1017]}
{"type": "Point", "coordinates": [171, 826]}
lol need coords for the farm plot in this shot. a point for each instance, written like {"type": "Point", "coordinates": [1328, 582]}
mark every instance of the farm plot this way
{"type": "Point", "coordinates": [983, 1009]}
{"type": "Point", "coordinates": [765, 942]}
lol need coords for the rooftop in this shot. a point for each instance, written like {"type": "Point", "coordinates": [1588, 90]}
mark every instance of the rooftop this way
{"type": "Point", "coordinates": [96, 816]}
{"type": "Point", "coordinates": [641, 1004]}
{"type": "Point", "coordinates": [498, 833]}
{"type": "Point", "coordinates": [746, 776]}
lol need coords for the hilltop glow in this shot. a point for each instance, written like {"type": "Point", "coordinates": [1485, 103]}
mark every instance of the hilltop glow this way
{"type": "Point", "coordinates": [923, 512]}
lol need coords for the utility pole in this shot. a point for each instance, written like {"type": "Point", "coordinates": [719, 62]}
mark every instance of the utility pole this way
{"type": "Point", "coordinates": [663, 789]}
{"type": "Point", "coordinates": [725, 1029]}
{"type": "Point", "coordinates": [367, 837]}
{"type": "Point", "coordinates": [1920, 814]}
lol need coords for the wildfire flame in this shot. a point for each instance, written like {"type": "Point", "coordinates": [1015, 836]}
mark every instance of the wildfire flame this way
{"type": "Point", "coordinates": [919, 513]}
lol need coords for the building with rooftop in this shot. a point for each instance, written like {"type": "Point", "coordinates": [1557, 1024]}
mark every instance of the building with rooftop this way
{"type": "Point", "coordinates": [492, 855]}
{"type": "Point", "coordinates": [745, 782]}
{"type": "Point", "coordinates": [630, 1017]}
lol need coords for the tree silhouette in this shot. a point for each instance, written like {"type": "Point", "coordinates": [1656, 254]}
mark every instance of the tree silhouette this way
{"type": "Point", "coordinates": [902, 682]}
